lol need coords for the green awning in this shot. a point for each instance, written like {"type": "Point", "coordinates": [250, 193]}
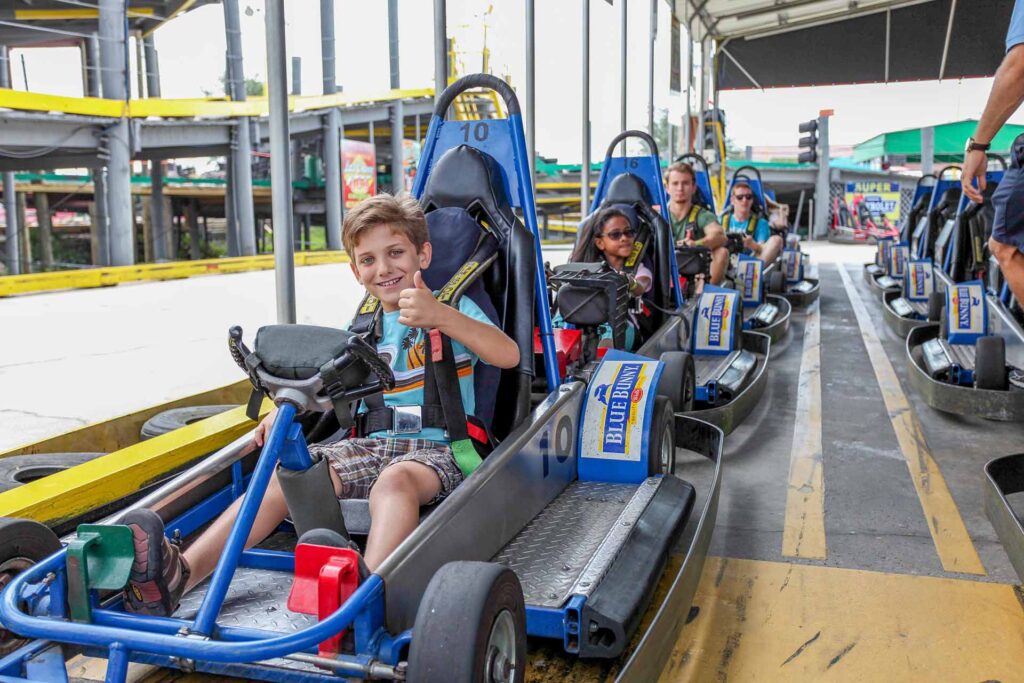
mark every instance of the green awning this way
{"type": "Point", "coordinates": [950, 139]}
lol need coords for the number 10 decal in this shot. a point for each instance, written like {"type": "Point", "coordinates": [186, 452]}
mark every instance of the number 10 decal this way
{"type": "Point", "coordinates": [480, 131]}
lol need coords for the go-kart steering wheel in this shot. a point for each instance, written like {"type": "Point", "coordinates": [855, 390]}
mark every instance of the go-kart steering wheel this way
{"type": "Point", "coordinates": [362, 350]}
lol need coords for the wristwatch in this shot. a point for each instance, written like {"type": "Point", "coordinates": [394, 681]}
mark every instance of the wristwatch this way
{"type": "Point", "coordinates": [972, 145]}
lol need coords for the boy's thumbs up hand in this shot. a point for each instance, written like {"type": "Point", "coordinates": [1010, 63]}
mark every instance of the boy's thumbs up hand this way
{"type": "Point", "coordinates": [418, 307]}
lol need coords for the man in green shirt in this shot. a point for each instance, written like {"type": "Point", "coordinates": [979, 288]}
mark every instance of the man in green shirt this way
{"type": "Point", "coordinates": [694, 225]}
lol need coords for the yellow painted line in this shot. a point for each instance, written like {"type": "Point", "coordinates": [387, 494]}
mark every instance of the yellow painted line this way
{"type": "Point", "coordinates": [191, 108]}
{"type": "Point", "coordinates": [953, 543]}
{"type": "Point", "coordinates": [75, 491]}
{"type": "Point", "coordinates": [803, 532]}
{"type": "Point", "coordinates": [123, 431]}
{"type": "Point", "coordinates": [175, 270]}
{"type": "Point", "coordinates": [768, 621]}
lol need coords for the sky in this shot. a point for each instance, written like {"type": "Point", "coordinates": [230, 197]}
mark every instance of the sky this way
{"type": "Point", "coordinates": [192, 49]}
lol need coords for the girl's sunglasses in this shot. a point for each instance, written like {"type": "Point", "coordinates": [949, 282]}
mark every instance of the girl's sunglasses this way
{"type": "Point", "coordinates": [616, 235]}
{"type": "Point", "coordinates": [743, 197]}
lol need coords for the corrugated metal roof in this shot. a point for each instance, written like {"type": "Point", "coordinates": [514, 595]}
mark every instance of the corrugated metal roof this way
{"type": "Point", "coordinates": [723, 19]}
{"type": "Point", "coordinates": [950, 139]}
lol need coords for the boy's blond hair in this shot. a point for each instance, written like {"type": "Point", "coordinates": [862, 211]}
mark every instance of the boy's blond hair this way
{"type": "Point", "coordinates": [402, 213]}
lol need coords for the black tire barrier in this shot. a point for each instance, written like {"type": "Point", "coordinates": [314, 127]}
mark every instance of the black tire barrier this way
{"type": "Point", "coordinates": [18, 470]}
{"type": "Point", "coordinates": [175, 418]}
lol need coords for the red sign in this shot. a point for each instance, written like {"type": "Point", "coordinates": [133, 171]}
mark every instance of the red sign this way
{"type": "Point", "coordinates": [358, 172]}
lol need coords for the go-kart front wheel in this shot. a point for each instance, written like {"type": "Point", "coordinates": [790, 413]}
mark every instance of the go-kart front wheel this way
{"type": "Point", "coordinates": [661, 455]}
{"type": "Point", "coordinates": [23, 542]}
{"type": "Point", "coordinates": [678, 380]}
{"type": "Point", "coordinates": [470, 626]}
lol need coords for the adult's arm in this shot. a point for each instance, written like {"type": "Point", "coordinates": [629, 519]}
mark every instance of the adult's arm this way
{"type": "Point", "coordinates": [1006, 96]}
{"type": "Point", "coordinates": [714, 236]}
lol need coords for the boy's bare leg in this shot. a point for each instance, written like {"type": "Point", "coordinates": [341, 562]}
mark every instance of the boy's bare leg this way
{"type": "Point", "coordinates": [202, 555]}
{"type": "Point", "coordinates": [395, 501]}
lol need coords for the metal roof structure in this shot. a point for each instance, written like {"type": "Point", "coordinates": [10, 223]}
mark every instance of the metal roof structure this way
{"type": "Point", "coordinates": [27, 23]}
{"type": "Point", "coordinates": [949, 142]}
{"type": "Point", "coordinates": [779, 43]}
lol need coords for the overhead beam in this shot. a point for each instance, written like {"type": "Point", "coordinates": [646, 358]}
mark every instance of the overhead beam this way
{"type": "Point", "coordinates": [830, 18]}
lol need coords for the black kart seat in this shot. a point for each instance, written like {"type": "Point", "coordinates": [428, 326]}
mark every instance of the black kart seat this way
{"type": "Point", "coordinates": [944, 209]}
{"type": "Point", "coordinates": [466, 178]}
{"type": "Point", "coordinates": [919, 209]}
{"type": "Point", "coordinates": [970, 238]}
{"type": "Point", "coordinates": [455, 236]}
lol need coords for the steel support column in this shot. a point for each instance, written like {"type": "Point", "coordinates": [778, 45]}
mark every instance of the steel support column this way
{"type": "Point", "coordinates": [244, 224]}
{"type": "Point", "coordinates": [280, 171]}
{"type": "Point", "coordinates": [41, 200]}
{"type": "Point", "coordinates": [440, 47]}
{"type": "Point", "coordinates": [650, 69]}
{"type": "Point", "coordinates": [927, 150]}
{"type": "Point", "coordinates": [585, 124]}
{"type": "Point", "coordinates": [397, 115]}
{"type": "Point", "coordinates": [12, 234]}
{"type": "Point", "coordinates": [119, 183]}
{"type": "Point", "coordinates": [162, 248]}
{"type": "Point", "coordinates": [822, 201]}
{"type": "Point", "coordinates": [529, 118]}
{"type": "Point", "coordinates": [332, 122]}
{"type": "Point", "coordinates": [100, 223]}
{"type": "Point", "coordinates": [623, 46]}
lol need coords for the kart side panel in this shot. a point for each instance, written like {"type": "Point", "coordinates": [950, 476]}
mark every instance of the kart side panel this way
{"type": "Point", "coordinates": [777, 330]}
{"type": "Point", "coordinates": [727, 417]}
{"type": "Point", "coordinates": [803, 299]}
{"type": "Point", "coordinates": [900, 325]}
{"type": "Point", "coordinates": [646, 662]}
{"type": "Point", "coordinates": [1004, 477]}
{"type": "Point", "coordinates": [1006, 406]}
{"type": "Point", "coordinates": [525, 473]}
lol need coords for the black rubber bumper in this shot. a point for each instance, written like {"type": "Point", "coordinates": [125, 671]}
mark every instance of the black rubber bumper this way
{"type": "Point", "coordinates": [612, 613]}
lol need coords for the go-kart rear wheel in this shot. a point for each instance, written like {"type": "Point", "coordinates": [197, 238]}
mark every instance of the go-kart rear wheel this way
{"type": "Point", "coordinates": [776, 282]}
{"type": "Point", "coordinates": [936, 301]}
{"type": "Point", "coordinates": [678, 380]}
{"type": "Point", "coordinates": [990, 364]}
{"type": "Point", "coordinates": [661, 456]}
{"type": "Point", "coordinates": [470, 626]}
{"type": "Point", "coordinates": [23, 542]}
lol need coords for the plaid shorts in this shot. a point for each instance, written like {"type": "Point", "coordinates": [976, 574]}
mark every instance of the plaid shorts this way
{"type": "Point", "coordinates": [358, 462]}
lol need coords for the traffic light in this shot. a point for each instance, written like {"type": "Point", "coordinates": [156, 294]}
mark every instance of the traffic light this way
{"type": "Point", "coordinates": [809, 142]}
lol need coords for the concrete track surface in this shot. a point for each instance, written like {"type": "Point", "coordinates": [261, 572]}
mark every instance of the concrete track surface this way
{"type": "Point", "coordinates": [851, 543]}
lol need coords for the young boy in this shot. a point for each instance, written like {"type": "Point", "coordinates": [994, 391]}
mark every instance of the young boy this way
{"type": "Point", "coordinates": [386, 238]}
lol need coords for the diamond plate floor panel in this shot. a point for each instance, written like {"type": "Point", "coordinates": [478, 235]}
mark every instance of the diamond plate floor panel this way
{"type": "Point", "coordinates": [550, 553]}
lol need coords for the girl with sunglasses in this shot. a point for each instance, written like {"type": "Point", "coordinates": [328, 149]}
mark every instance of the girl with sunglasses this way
{"type": "Point", "coordinates": [613, 240]}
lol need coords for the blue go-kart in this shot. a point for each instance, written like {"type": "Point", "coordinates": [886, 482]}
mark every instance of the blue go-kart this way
{"type": "Point", "coordinates": [562, 533]}
{"type": "Point", "coordinates": [714, 367]}
{"type": "Point", "coordinates": [968, 358]}
{"type": "Point", "coordinates": [789, 276]}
